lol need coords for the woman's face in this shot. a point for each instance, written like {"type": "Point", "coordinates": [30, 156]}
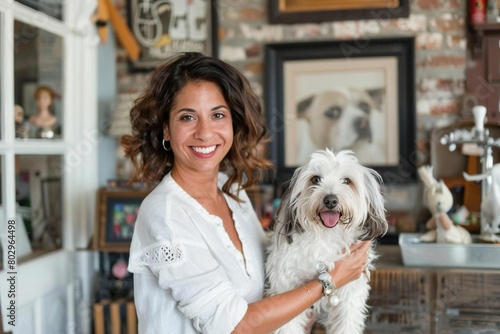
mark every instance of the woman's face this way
{"type": "Point", "coordinates": [43, 100]}
{"type": "Point", "coordinates": [200, 128]}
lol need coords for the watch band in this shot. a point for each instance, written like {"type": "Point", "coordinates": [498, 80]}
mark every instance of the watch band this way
{"type": "Point", "coordinates": [326, 280]}
{"type": "Point", "coordinates": [329, 288]}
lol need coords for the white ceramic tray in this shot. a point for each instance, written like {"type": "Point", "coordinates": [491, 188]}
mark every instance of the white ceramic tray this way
{"type": "Point", "coordinates": [431, 254]}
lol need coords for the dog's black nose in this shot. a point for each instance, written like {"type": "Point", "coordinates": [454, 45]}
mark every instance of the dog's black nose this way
{"type": "Point", "coordinates": [363, 129]}
{"type": "Point", "coordinates": [330, 201]}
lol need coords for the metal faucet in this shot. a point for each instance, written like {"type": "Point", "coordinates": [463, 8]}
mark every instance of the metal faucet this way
{"type": "Point", "coordinates": [480, 137]}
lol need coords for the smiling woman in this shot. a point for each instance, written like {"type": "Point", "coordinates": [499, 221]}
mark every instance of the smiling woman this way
{"type": "Point", "coordinates": [150, 118]}
{"type": "Point", "coordinates": [197, 251]}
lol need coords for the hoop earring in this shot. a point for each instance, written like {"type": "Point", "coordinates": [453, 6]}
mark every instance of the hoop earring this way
{"type": "Point", "coordinates": [163, 143]}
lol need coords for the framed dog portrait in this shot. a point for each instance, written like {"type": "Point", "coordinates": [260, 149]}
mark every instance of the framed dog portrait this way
{"type": "Point", "coordinates": [343, 95]}
{"type": "Point", "coordinates": [302, 11]}
{"type": "Point", "coordinates": [116, 215]}
{"type": "Point", "coordinates": [164, 28]}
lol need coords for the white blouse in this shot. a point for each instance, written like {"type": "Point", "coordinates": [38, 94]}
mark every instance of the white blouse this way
{"type": "Point", "coordinates": [188, 275]}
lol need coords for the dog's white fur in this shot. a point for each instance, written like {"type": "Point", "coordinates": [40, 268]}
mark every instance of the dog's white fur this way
{"type": "Point", "coordinates": [347, 118]}
{"type": "Point", "coordinates": [300, 239]}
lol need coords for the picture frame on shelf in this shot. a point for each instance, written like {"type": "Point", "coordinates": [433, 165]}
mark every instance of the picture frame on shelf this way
{"type": "Point", "coordinates": [314, 11]}
{"type": "Point", "coordinates": [163, 30]}
{"type": "Point", "coordinates": [116, 215]}
{"type": "Point", "coordinates": [343, 95]}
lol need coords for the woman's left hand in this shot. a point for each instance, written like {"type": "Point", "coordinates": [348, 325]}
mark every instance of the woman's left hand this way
{"type": "Point", "coordinates": [353, 265]}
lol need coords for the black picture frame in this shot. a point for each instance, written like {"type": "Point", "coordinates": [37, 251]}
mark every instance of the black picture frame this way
{"type": "Point", "coordinates": [308, 12]}
{"type": "Point", "coordinates": [403, 168]}
{"type": "Point", "coordinates": [163, 46]}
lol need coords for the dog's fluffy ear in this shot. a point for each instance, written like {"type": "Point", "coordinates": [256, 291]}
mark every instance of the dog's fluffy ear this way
{"type": "Point", "coordinates": [287, 222]}
{"type": "Point", "coordinates": [375, 224]}
{"type": "Point", "coordinates": [377, 95]}
{"type": "Point", "coordinates": [303, 105]}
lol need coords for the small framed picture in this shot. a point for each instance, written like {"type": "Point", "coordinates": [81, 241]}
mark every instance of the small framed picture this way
{"type": "Point", "coordinates": [167, 28]}
{"type": "Point", "coordinates": [304, 11]}
{"type": "Point", "coordinates": [117, 212]}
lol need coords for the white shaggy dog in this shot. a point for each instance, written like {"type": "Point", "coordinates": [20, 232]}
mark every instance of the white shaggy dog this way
{"type": "Point", "coordinates": [331, 202]}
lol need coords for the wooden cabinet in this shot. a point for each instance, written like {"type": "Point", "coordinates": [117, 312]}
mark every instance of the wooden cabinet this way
{"type": "Point", "coordinates": [493, 59]}
{"type": "Point", "coordinates": [432, 300]}
{"type": "Point", "coordinates": [400, 301]}
{"type": "Point", "coordinates": [483, 69]}
{"type": "Point", "coordinates": [467, 300]}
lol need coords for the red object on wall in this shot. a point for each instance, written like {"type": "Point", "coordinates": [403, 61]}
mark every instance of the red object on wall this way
{"type": "Point", "coordinates": [477, 11]}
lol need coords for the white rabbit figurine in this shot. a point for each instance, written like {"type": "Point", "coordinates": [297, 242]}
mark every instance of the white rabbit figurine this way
{"type": "Point", "coordinates": [439, 200]}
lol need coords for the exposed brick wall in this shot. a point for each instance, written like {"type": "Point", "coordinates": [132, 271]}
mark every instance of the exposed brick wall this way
{"type": "Point", "coordinates": [439, 27]}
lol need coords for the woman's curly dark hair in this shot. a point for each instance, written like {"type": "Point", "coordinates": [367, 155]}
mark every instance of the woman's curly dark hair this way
{"type": "Point", "coordinates": [151, 113]}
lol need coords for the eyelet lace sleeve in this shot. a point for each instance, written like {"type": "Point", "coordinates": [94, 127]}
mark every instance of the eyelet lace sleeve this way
{"type": "Point", "coordinates": [157, 255]}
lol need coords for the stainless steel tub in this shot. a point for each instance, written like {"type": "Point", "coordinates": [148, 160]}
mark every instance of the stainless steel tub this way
{"type": "Point", "coordinates": [431, 254]}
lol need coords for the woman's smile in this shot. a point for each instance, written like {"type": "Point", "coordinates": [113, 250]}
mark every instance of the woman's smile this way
{"type": "Point", "coordinates": [204, 151]}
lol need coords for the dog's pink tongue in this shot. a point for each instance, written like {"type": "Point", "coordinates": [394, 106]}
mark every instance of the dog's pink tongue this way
{"type": "Point", "coordinates": [330, 218]}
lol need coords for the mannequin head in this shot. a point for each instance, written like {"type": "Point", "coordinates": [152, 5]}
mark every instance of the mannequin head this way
{"type": "Point", "coordinates": [43, 121]}
{"type": "Point", "coordinates": [44, 95]}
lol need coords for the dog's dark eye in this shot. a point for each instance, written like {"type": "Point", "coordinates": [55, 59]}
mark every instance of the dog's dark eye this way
{"type": "Point", "coordinates": [346, 181]}
{"type": "Point", "coordinates": [365, 107]}
{"type": "Point", "coordinates": [333, 112]}
{"type": "Point", "coordinates": [315, 180]}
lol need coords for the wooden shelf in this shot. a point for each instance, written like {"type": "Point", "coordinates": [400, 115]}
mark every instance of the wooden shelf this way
{"type": "Point", "coordinates": [484, 28]}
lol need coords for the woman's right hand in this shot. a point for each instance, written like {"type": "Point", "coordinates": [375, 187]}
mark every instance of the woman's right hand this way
{"type": "Point", "coordinates": [352, 266]}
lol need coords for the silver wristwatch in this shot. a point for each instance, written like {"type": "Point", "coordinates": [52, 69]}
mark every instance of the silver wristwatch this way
{"type": "Point", "coordinates": [329, 288]}
{"type": "Point", "coordinates": [326, 280]}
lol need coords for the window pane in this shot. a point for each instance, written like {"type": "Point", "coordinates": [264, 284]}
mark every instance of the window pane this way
{"type": "Point", "coordinates": [39, 199]}
{"type": "Point", "coordinates": [2, 89]}
{"type": "Point", "coordinates": [2, 212]}
{"type": "Point", "coordinates": [38, 82]}
{"type": "Point", "coordinates": [52, 8]}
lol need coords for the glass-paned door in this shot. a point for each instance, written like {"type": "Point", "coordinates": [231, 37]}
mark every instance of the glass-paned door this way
{"type": "Point", "coordinates": [38, 96]}
{"type": "Point", "coordinates": [48, 161]}
{"type": "Point", "coordinates": [39, 204]}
